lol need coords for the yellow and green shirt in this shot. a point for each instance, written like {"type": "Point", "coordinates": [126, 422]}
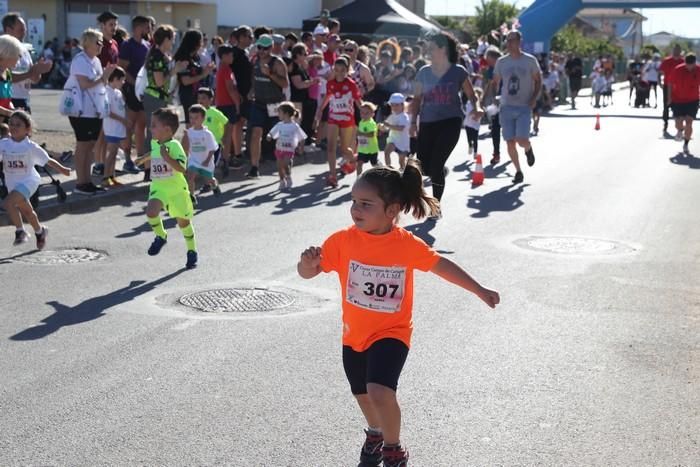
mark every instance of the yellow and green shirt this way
{"type": "Point", "coordinates": [215, 121]}
{"type": "Point", "coordinates": [367, 144]}
{"type": "Point", "coordinates": [162, 175]}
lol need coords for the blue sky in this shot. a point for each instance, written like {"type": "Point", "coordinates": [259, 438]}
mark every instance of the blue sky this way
{"type": "Point", "coordinates": [681, 21]}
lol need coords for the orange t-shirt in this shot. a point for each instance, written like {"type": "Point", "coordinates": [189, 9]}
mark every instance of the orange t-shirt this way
{"type": "Point", "coordinates": [376, 278]}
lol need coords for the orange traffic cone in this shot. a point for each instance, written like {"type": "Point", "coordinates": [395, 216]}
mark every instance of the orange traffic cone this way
{"type": "Point", "coordinates": [478, 174]}
{"type": "Point", "coordinates": [597, 122]}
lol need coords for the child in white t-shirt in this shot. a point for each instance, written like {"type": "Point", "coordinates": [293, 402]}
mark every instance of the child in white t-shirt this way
{"type": "Point", "coordinates": [200, 145]}
{"type": "Point", "coordinates": [398, 124]}
{"type": "Point", "coordinates": [290, 138]}
{"type": "Point", "coordinates": [114, 125]}
{"type": "Point", "coordinates": [19, 155]}
{"type": "Point", "coordinates": [472, 123]}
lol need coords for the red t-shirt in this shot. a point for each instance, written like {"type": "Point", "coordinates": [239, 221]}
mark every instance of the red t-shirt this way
{"type": "Point", "coordinates": [376, 280]}
{"type": "Point", "coordinates": [668, 64]}
{"type": "Point", "coordinates": [109, 53]}
{"type": "Point", "coordinates": [222, 97]}
{"type": "Point", "coordinates": [341, 103]}
{"type": "Point", "coordinates": [685, 85]}
{"type": "Point", "coordinates": [330, 57]}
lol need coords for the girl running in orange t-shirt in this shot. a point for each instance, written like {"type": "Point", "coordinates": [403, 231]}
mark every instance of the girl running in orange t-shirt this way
{"type": "Point", "coordinates": [375, 259]}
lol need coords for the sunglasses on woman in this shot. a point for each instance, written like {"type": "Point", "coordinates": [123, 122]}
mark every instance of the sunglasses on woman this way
{"type": "Point", "coordinates": [260, 47]}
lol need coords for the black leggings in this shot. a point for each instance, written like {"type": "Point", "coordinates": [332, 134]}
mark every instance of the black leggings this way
{"type": "Point", "coordinates": [496, 135]}
{"type": "Point", "coordinates": [308, 112]}
{"type": "Point", "coordinates": [473, 138]}
{"type": "Point", "coordinates": [381, 364]}
{"type": "Point", "coordinates": [436, 141]}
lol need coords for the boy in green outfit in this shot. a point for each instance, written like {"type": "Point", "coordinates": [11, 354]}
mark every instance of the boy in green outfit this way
{"type": "Point", "coordinates": [218, 124]}
{"type": "Point", "coordinates": [169, 189]}
{"type": "Point", "coordinates": [367, 143]}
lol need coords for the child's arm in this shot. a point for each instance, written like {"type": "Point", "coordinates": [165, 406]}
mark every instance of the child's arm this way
{"type": "Point", "coordinates": [57, 166]}
{"type": "Point", "coordinates": [233, 92]}
{"type": "Point", "coordinates": [119, 118]}
{"type": "Point", "coordinates": [165, 154]}
{"type": "Point", "coordinates": [143, 159]}
{"type": "Point", "coordinates": [209, 157]}
{"type": "Point", "coordinates": [452, 272]}
{"type": "Point", "coordinates": [185, 142]}
{"type": "Point", "coordinates": [309, 265]}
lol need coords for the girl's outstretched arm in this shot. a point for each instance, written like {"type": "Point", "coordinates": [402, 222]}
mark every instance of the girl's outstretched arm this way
{"type": "Point", "coordinates": [452, 272]}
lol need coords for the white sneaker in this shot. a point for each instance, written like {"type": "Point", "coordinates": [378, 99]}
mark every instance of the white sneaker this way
{"type": "Point", "coordinates": [289, 182]}
{"type": "Point", "coordinates": [283, 184]}
{"type": "Point", "coordinates": [679, 136]}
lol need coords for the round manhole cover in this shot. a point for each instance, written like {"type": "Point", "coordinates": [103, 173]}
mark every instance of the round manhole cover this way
{"type": "Point", "coordinates": [573, 245]}
{"type": "Point", "coordinates": [62, 256]}
{"type": "Point", "coordinates": [242, 300]}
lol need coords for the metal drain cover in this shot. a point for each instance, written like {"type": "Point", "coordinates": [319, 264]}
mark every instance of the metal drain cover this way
{"type": "Point", "coordinates": [242, 300]}
{"type": "Point", "coordinates": [574, 245]}
{"type": "Point", "coordinates": [62, 256]}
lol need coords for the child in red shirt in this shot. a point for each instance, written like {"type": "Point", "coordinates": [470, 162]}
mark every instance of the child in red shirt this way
{"type": "Point", "coordinates": [227, 98]}
{"type": "Point", "coordinates": [342, 96]}
{"type": "Point", "coordinates": [375, 259]}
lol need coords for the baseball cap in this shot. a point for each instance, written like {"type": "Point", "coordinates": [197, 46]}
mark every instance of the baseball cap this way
{"type": "Point", "coordinates": [278, 38]}
{"type": "Point", "coordinates": [320, 29]}
{"type": "Point", "coordinates": [264, 41]}
{"type": "Point", "coordinates": [397, 98]}
{"type": "Point", "coordinates": [325, 13]}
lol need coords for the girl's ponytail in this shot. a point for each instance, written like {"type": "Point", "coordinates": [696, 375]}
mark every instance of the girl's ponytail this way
{"type": "Point", "coordinates": [414, 199]}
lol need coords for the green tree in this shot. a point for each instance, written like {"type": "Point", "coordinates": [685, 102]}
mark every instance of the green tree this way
{"type": "Point", "coordinates": [448, 22]}
{"type": "Point", "coordinates": [491, 14]}
{"type": "Point", "coordinates": [570, 39]}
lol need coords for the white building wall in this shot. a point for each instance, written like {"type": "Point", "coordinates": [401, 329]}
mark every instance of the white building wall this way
{"type": "Point", "coordinates": [273, 13]}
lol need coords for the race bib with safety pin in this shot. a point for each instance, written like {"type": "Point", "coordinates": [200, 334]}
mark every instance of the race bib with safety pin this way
{"type": "Point", "coordinates": [376, 288]}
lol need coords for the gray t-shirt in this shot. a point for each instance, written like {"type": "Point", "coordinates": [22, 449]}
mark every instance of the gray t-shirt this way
{"type": "Point", "coordinates": [441, 96]}
{"type": "Point", "coordinates": [518, 85]}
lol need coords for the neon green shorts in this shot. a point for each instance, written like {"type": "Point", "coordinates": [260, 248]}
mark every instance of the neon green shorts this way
{"type": "Point", "coordinates": [175, 200]}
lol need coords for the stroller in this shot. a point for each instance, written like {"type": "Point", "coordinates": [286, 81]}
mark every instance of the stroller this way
{"type": "Point", "coordinates": [34, 200]}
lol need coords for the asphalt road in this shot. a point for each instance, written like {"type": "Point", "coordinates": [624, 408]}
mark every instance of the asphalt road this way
{"type": "Point", "coordinates": [592, 358]}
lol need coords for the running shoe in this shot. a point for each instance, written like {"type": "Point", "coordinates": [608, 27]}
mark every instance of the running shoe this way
{"type": "Point", "coordinates": [157, 245]}
{"type": "Point", "coordinates": [206, 188]}
{"type": "Point", "coordinates": [130, 167]}
{"type": "Point", "coordinates": [283, 185]}
{"type": "Point", "coordinates": [348, 167]}
{"type": "Point", "coordinates": [495, 159]}
{"type": "Point", "coordinates": [98, 170]}
{"type": "Point", "coordinates": [371, 452]}
{"type": "Point", "coordinates": [530, 157]}
{"type": "Point", "coordinates": [97, 188]}
{"type": "Point", "coordinates": [332, 181]}
{"type": "Point", "coordinates": [253, 172]}
{"type": "Point", "coordinates": [289, 182]}
{"type": "Point", "coordinates": [216, 190]}
{"type": "Point", "coordinates": [20, 237]}
{"type": "Point", "coordinates": [41, 238]}
{"type": "Point", "coordinates": [395, 456]}
{"type": "Point", "coordinates": [518, 177]}
{"type": "Point", "coordinates": [236, 162]}
{"type": "Point", "coordinates": [191, 259]}
{"type": "Point", "coordinates": [84, 189]}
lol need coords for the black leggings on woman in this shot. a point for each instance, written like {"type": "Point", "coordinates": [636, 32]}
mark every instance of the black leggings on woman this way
{"type": "Point", "coordinates": [496, 135]}
{"type": "Point", "coordinates": [436, 141]}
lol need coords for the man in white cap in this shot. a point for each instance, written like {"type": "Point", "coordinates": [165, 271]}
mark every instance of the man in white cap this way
{"type": "Point", "coordinates": [320, 38]}
{"type": "Point", "coordinates": [277, 45]}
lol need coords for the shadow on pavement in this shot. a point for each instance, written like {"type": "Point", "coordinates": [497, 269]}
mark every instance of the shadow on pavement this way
{"type": "Point", "coordinates": [502, 200]}
{"type": "Point", "coordinates": [422, 230]}
{"type": "Point", "coordinates": [602, 117]}
{"type": "Point", "coordinates": [9, 259]}
{"type": "Point", "coordinates": [685, 159]}
{"type": "Point", "coordinates": [90, 309]}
